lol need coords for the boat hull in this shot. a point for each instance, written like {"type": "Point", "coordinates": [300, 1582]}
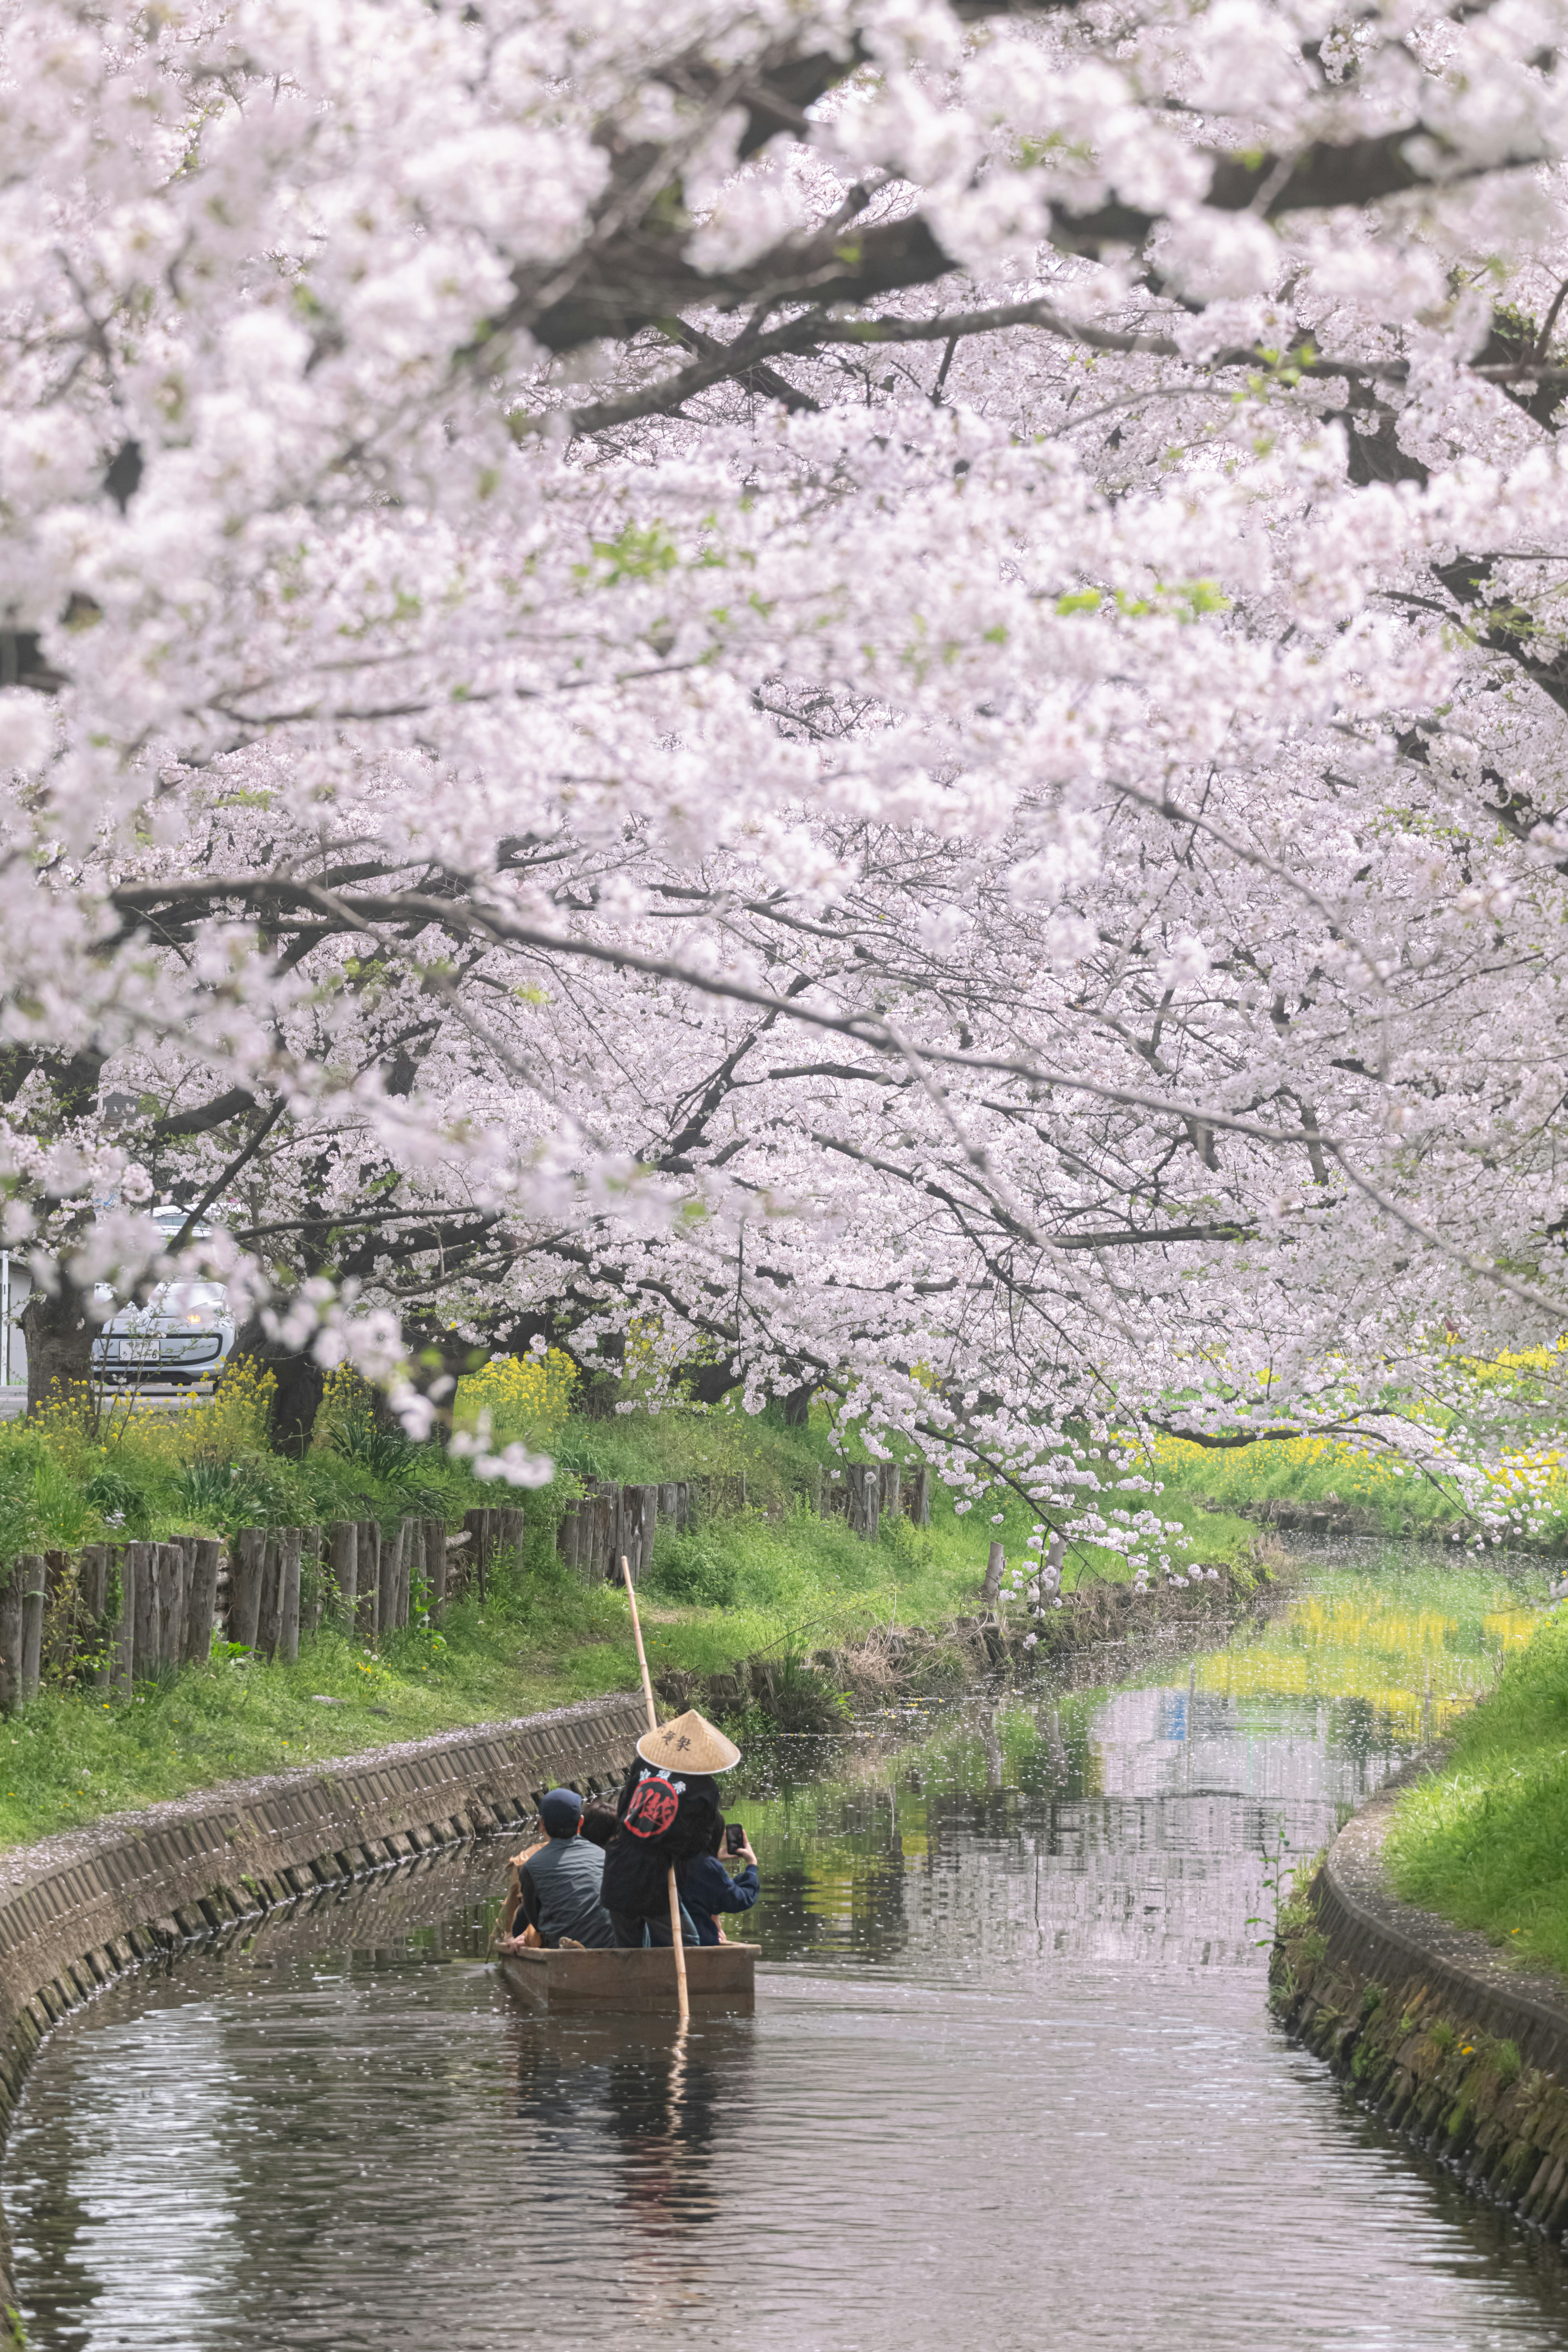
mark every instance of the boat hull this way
{"type": "Point", "coordinates": [721, 1978]}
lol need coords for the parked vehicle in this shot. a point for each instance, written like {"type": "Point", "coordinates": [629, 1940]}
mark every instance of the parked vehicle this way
{"type": "Point", "coordinates": [183, 1333]}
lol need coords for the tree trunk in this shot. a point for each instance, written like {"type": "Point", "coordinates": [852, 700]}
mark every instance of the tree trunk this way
{"type": "Point", "coordinates": [991, 1590]}
{"type": "Point", "coordinates": [300, 1383]}
{"type": "Point", "coordinates": [59, 1334]}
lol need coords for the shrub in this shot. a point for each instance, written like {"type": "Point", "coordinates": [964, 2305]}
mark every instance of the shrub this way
{"type": "Point", "coordinates": [692, 1569]}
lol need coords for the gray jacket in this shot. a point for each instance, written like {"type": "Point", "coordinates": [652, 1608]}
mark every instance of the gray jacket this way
{"type": "Point", "coordinates": [561, 1894]}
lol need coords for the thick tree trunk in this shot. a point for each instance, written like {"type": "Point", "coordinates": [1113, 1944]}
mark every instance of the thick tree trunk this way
{"type": "Point", "coordinates": [300, 1383]}
{"type": "Point", "coordinates": [59, 1333]}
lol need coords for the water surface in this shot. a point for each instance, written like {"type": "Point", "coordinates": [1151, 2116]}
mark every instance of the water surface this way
{"type": "Point", "coordinates": [1011, 2081]}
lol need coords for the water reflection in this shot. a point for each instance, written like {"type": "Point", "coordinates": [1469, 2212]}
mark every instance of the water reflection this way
{"type": "Point", "coordinates": [1011, 2080]}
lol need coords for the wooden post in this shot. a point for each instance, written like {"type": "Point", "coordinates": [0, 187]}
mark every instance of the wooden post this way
{"type": "Point", "coordinates": [291, 1543]}
{"type": "Point", "coordinates": [410, 1542]}
{"type": "Point", "coordinates": [345, 1569]}
{"type": "Point", "coordinates": [889, 1484]}
{"type": "Point", "coordinates": [638, 1508]}
{"type": "Point", "coordinates": [391, 1577]}
{"type": "Point", "coordinates": [245, 1582]}
{"type": "Point", "coordinates": [387, 1618]}
{"type": "Point", "coordinates": [60, 1610]}
{"type": "Point", "coordinates": [435, 1568]}
{"type": "Point", "coordinates": [271, 1594]}
{"type": "Point", "coordinates": [606, 1529]}
{"type": "Point", "coordinates": [312, 1579]}
{"type": "Point", "coordinates": [32, 1573]}
{"type": "Point", "coordinates": [682, 1996]}
{"type": "Point", "coordinates": [920, 1498]}
{"type": "Point", "coordinates": [670, 1502]}
{"type": "Point", "coordinates": [386, 1581]}
{"type": "Point", "coordinates": [511, 1527]}
{"type": "Point", "coordinates": [200, 1600]}
{"type": "Point", "coordinates": [122, 1655]}
{"type": "Point", "coordinates": [369, 1601]}
{"type": "Point", "coordinates": [144, 1632]}
{"type": "Point", "coordinates": [475, 1526]}
{"type": "Point", "coordinates": [566, 1535]}
{"type": "Point", "coordinates": [864, 1499]}
{"type": "Point", "coordinates": [171, 1603]}
{"type": "Point", "coordinates": [92, 1578]}
{"type": "Point", "coordinates": [11, 1639]}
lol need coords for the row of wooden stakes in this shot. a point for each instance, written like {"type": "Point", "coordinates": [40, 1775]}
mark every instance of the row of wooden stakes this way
{"type": "Point", "coordinates": [612, 1523]}
{"type": "Point", "coordinates": [123, 1614]}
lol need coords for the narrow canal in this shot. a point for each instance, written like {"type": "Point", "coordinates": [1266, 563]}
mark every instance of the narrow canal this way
{"type": "Point", "coordinates": [1011, 2082]}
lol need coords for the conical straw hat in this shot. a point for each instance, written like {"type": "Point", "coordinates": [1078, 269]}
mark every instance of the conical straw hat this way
{"type": "Point", "coordinates": [690, 1744]}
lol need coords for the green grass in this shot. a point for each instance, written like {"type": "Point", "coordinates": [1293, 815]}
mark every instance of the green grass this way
{"type": "Point", "coordinates": [1481, 1840]}
{"type": "Point", "coordinates": [773, 1579]}
{"type": "Point", "coordinates": [540, 1638]}
{"type": "Point", "coordinates": [1306, 1470]}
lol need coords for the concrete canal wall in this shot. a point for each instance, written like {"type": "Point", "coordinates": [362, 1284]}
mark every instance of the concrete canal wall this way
{"type": "Point", "coordinates": [1463, 2052]}
{"type": "Point", "coordinates": [77, 1911]}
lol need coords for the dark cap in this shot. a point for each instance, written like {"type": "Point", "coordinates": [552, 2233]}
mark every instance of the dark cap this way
{"type": "Point", "coordinates": [561, 1812]}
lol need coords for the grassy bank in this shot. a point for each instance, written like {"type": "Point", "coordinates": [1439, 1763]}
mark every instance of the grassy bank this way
{"type": "Point", "coordinates": [1481, 1840]}
{"type": "Point", "coordinates": [1314, 1472]}
{"type": "Point", "coordinates": [773, 1579]}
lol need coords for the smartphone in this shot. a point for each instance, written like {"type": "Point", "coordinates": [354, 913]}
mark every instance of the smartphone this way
{"type": "Point", "coordinates": [734, 1838]}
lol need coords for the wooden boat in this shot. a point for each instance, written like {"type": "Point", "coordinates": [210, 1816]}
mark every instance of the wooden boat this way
{"type": "Point", "coordinates": [721, 1978]}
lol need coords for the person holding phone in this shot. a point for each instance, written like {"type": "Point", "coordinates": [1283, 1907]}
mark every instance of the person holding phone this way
{"type": "Point", "coordinates": [706, 1888]}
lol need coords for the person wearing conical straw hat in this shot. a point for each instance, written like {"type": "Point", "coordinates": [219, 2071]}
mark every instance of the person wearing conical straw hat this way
{"type": "Point", "coordinates": [669, 1804]}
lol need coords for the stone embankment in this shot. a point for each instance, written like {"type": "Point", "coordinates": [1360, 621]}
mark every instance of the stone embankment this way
{"type": "Point", "coordinates": [78, 1911]}
{"type": "Point", "coordinates": [1456, 2048]}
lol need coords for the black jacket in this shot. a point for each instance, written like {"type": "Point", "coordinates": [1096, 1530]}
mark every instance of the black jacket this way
{"type": "Point", "coordinates": [636, 1870]}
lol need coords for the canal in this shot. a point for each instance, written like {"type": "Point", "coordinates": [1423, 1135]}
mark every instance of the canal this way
{"type": "Point", "coordinates": [1012, 2080]}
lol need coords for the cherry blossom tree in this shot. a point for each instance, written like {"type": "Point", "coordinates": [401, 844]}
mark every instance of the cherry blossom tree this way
{"type": "Point", "coordinates": [875, 693]}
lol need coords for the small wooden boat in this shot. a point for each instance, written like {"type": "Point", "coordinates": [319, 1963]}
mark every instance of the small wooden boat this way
{"type": "Point", "coordinates": [721, 1978]}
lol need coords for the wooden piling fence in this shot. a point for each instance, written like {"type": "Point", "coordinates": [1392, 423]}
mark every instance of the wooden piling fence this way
{"type": "Point", "coordinates": [132, 1611]}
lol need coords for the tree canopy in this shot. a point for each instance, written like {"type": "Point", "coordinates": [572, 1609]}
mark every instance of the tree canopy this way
{"type": "Point", "coordinates": [874, 694]}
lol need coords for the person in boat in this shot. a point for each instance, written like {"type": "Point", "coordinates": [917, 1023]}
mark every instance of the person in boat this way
{"type": "Point", "coordinates": [560, 1883]}
{"type": "Point", "coordinates": [667, 1806]}
{"type": "Point", "coordinates": [707, 1888]}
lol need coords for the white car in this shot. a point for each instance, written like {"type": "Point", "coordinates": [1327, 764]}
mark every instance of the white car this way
{"type": "Point", "coordinates": [184, 1331]}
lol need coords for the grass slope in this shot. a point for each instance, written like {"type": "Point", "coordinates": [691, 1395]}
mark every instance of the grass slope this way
{"type": "Point", "coordinates": [1481, 1840]}
{"type": "Point", "coordinates": [727, 1590]}
{"type": "Point", "coordinates": [773, 1579]}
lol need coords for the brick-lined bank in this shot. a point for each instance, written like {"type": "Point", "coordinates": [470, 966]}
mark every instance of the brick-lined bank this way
{"type": "Point", "coordinates": [78, 1911]}
{"type": "Point", "coordinates": [1463, 2052]}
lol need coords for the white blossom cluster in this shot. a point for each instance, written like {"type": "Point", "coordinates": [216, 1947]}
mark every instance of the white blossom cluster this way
{"type": "Point", "coordinates": [869, 696]}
